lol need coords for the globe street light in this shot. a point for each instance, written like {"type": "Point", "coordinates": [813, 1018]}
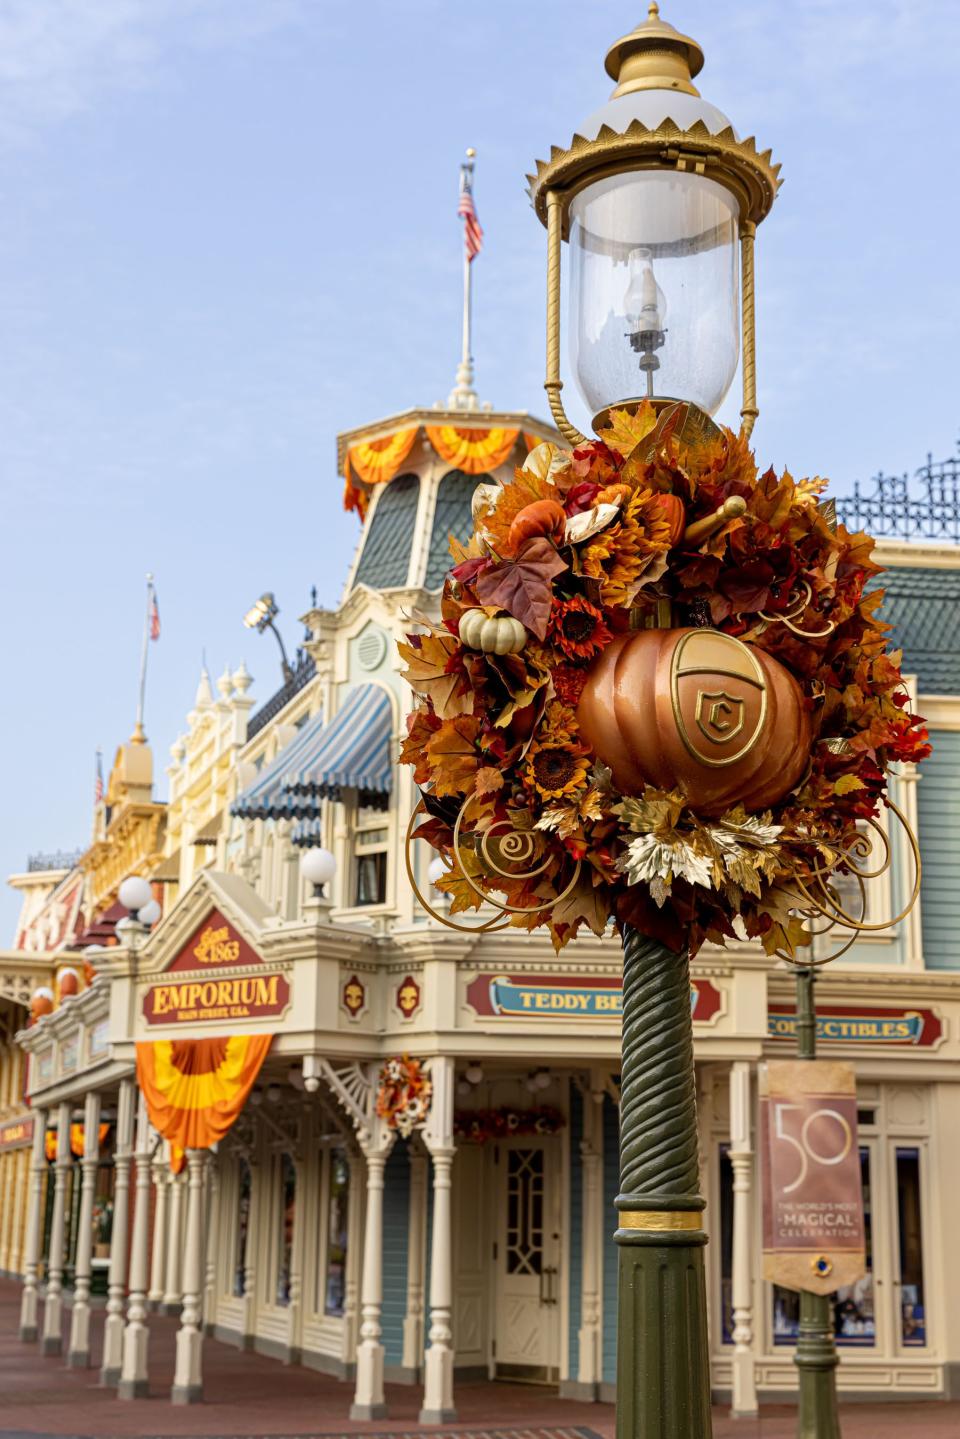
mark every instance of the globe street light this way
{"type": "Point", "coordinates": [659, 201]}
{"type": "Point", "coordinates": [318, 866]}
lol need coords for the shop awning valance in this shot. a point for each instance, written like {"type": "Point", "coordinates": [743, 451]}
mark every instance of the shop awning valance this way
{"type": "Point", "coordinates": [474, 449]}
{"type": "Point", "coordinates": [266, 798]}
{"type": "Point", "coordinates": [194, 1089]}
{"type": "Point", "coordinates": [351, 752]}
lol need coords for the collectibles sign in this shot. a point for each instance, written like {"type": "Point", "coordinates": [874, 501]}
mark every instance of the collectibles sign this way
{"type": "Point", "coordinates": [548, 996]}
{"type": "Point", "coordinates": [813, 1231]}
{"type": "Point", "coordinates": [16, 1134]}
{"type": "Point", "coordinates": [205, 994]}
{"type": "Point", "coordinates": [849, 1024]}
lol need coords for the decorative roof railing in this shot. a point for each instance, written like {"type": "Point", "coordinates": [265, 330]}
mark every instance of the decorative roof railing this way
{"type": "Point", "coordinates": [304, 671]}
{"type": "Point", "coordinates": [55, 859]}
{"type": "Point", "coordinates": [927, 509]}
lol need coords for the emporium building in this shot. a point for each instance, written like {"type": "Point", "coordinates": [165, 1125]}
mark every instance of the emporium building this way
{"type": "Point", "coordinates": [480, 1244]}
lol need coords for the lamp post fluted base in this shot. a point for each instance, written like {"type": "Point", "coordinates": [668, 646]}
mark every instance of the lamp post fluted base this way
{"type": "Point", "coordinates": [663, 1355]}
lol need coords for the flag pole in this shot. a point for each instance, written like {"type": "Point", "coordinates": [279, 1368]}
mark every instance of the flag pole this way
{"type": "Point", "coordinates": [138, 735]}
{"type": "Point", "coordinates": [463, 396]}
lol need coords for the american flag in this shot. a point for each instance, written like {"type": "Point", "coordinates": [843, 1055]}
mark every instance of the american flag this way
{"type": "Point", "coordinates": [472, 231]}
{"type": "Point", "coordinates": [154, 615]}
{"type": "Point", "coordinates": [98, 782]}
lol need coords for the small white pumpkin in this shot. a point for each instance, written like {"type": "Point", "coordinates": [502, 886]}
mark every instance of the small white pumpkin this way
{"type": "Point", "coordinates": [501, 635]}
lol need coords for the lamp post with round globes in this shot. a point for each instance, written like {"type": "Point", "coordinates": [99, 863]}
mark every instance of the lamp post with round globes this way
{"type": "Point", "coordinates": [658, 200]}
{"type": "Point", "coordinates": [318, 867]}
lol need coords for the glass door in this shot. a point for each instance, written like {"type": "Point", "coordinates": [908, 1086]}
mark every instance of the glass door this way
{"type": "Point", "coordinates": [909, 1287]}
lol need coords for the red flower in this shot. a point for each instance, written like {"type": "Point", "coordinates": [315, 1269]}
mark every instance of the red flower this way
{"type": "Point", "coordinates": [568, 683]}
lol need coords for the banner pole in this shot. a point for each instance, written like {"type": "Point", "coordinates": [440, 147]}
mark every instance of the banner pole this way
{"type": "Point", "coordinates": [816, 1354]}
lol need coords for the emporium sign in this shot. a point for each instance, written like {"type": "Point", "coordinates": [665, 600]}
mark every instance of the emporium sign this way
{"type": "Point", "coordinates": [552, 996]}
{"type": "Point", "coordinates": [856, 1024]}
{"type": "Point", "coordinates": [813, 1229]}
{"type": "Point", "coordinates": [201, 985]}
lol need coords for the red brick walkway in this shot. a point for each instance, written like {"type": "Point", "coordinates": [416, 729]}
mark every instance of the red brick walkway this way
{"type": "Point", "coordinates": [247, 1394]}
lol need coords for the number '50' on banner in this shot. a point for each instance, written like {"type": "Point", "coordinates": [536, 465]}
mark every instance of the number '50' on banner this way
{"type": "Point", "coordinates": [813, 1233]}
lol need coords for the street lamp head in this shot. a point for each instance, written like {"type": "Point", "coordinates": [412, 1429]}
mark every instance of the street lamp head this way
{"type": "Point", "coordinates": [149, 913]}
{"type": "Point", "coordinates": [658, 199]}
{"type": "Point", "coordinates": [134, 893]}
{"type": "Point", "coordinates": [318, 867]}
{"type": "Point", "coordinates": [261, 614]}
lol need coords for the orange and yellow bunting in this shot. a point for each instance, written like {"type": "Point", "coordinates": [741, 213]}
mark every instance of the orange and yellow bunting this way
{"type": "Point", "coordinates": [76, 1140]}
{"type": "Point", "coordinates": [476, 452]}
{"type": "Point", "coordinates": [195, 1088]}
{"type": "Point", "coordinates": [377, 461]}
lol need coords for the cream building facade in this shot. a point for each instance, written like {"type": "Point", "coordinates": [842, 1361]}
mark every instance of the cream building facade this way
{"type": "Point", "coordinates": [481, 1244]}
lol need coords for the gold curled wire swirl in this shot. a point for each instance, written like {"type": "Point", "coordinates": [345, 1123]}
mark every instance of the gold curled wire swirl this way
{"type": "Point", "coordinates": [794, 612]}
{"type": "Point", "coordinates": [828, 906]}
{"type": "Point", "coordinates": [489, 926]}
{"type": "Point", "coordinates": [517, 846]}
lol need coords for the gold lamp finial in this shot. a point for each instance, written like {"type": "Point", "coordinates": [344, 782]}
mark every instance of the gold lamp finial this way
{"type": "Point", "coordinates": [655, 56]}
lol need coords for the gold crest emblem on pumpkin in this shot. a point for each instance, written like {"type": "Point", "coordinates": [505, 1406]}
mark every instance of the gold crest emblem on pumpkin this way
{"type": "Point", "coordinates": [720, 715]}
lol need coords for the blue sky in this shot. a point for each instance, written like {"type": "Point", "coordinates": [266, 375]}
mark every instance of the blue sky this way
{"type": "Point", "coordinates": [229, 231]}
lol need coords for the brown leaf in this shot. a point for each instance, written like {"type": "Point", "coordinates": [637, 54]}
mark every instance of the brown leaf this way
{"type": "Point", "coordinates": [523, 585]}
{"type": "Point", "coordinates": [453, 756]}
{"type": "Point", "coordinates": [428, 658]}
{"type": "Point", "coordinates": [488, 781]}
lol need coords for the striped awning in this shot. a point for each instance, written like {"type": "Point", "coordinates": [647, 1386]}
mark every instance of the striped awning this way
{"type": "Point", "coordinates": [351, 752]}
{"type": "Point", "coordinates": [266, 797]}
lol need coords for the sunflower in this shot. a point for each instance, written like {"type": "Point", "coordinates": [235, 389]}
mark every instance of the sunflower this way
{"type": "Point", "coordinates": [553, 770]}
{"type": "Point", "coordinates": [630, 553]}
{"type": "Point", "coordinates": [577, 628]}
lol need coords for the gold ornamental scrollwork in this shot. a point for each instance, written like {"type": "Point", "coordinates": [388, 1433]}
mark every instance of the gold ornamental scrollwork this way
{"type": "Point", "coordinates": [498, 846]}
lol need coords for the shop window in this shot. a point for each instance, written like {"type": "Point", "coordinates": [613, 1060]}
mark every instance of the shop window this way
{"type": "Point", "coordinates": [371, 865]}
{"type": "Point", "coordinates": [287, 1216]}
{"type": "Point", "coordinates": [335, 1260]}
{"type": "Point", "coordinates": [525, 1179]}
{"type": "Point", "coordinates": [913, 1321]}
{"type": "Point", "coordinates": [854, 1317]}
{"type": "Point", "coordinates": [244, 1185]}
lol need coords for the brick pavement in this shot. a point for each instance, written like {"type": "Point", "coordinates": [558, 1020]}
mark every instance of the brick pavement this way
{"type": "Point", "coordinates": [250, 1395]}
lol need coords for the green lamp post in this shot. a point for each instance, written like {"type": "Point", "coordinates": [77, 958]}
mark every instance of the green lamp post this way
{"type": "Point", "coordinates": [658, 200]}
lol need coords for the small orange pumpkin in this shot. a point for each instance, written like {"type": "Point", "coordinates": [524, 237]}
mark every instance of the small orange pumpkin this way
{"type": "Point", "coordinates": [699, 711]}
{"type": "Point", "coordinates": [676, 513]}
{"type": "Point", "coordinates": [542, 517]}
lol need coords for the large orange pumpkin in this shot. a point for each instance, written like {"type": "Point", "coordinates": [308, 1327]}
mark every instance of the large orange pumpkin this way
{"type": "Point", "coordinates": [541, 517]}
{"type": "Point", "coordinates": [696, 710]}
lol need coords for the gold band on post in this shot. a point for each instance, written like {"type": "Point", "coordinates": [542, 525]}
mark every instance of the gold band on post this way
{"type": "Point", "coordinates": [660, 1219]}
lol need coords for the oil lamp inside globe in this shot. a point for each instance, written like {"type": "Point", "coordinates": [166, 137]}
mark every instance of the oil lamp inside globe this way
{"type": "Point", "coordinates": [643, 244]}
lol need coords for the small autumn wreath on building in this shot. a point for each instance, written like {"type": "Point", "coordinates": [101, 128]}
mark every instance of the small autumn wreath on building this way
{"type": "Point", "coordinates": [478, 1126]}
{"type": "Point", "coordinates": [404, 1094]}
{"type": "Point", "coordinates": [659, 692]}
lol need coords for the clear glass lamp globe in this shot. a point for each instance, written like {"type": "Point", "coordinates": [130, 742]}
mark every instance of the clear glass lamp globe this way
{"type": "Point", "coordinates": [149, 913]}
{"type": "Point", "coordinates": [317, 866]}
{"type": "Point", "coordinates": [134, 893]}
{"type": "Point", "coordinates": [654, 282]}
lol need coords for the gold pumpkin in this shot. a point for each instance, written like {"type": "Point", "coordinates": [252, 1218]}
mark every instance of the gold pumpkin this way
{"type": "Point", "coordinates": [500, 635]}
{"type": "Point", "coordinates": [699, 711]}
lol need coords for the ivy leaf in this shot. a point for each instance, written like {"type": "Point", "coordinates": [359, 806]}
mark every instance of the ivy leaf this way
{"type": "Point", "coordinates": [585, 903]}
{"type": "Point", "coordinates": [488, 780]}
{"type": "Point", "coordinates": [523, 585]}
{"type": "Point", "coordinates": [430, 671]}
{"type": "Point", "coordinates": [846, 783]}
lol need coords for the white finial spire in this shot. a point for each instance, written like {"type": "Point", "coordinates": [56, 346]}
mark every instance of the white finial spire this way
{"type": "Point", "coordinates": [463, 396]}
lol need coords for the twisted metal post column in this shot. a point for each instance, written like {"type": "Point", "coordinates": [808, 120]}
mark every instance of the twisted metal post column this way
{"type": "Point", "coordinates": [816, 1353]}
{"type": "Point", "coordinates": [663, 1359]}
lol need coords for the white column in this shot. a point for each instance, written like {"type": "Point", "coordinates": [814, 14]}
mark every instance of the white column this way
{"type": "Point", "coordinates": [589, 1371]}
{"type": "Point", "coordinates": [413, 1318]}
{"type": "Point", "coordinates": [741, 1158]}
{"type": "Point", "coordinates": [173, 1291]}
{"type": "Point", "coordinates": [53, 1300]}
{"type": "Point", "coordinates": [438, 1137]}
{"type": "Point", "coordinates": [158, 1258]}
{"type": "Point", "coordinates": [117, 1276]}
{"type": "Point", "coordinates": [213, 1235]}
{"type": "Point", "coordinates": [31, 1248]}
{"type": "Point", "coordinates": [368, 1400]}
{"type": "Point", "coordinates": [188, 1373]}
{"type": "Point", "coordinates": [78, 1353]}
{"type": "Point", "coordinates": [134, 1383]}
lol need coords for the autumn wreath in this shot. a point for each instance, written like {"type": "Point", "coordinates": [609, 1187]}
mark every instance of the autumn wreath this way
{"type": "Point", "coordinates": [651, 527]}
